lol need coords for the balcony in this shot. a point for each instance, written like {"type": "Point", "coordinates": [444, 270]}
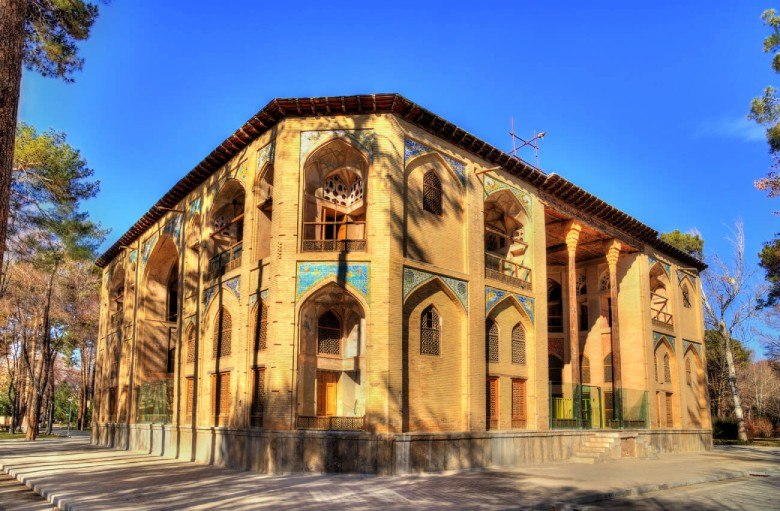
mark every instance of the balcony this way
{"type": "Point", "coordinates": [224, 262]}
{"type": "Point", "coordinates": [507, 272]}
{"type": "Point", "coordinates": [331, 423]}
{"type": "Point", "coordinates": [658, 314]}
{"type": "Point", "coordinates": [334, 236]}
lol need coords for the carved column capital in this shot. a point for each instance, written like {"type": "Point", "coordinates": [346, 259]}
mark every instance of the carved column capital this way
{"type": "Point", "coordinates": [573, 229]}
{"type": "Point", "coordinates": [613, 252]}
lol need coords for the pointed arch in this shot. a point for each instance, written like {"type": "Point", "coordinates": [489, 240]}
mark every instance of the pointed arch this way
{"type": "Point", "coordinates": [491, 340]}
{"type": "Point", "coordinates": [222, 333]}
{"type": "Point", "coordinates": [189, 336]}
{"type": "Point", "coordinates": [432, 193]}
{"type": "Point", "coordinates": [436, 160]}
{"type": "Point", "coordinates": [259, 325]}
{"type": "Point", "coordinates": [518, 344]}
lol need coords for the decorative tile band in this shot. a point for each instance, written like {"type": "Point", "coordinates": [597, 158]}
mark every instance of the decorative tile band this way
{"type": "Point", "coordinates": [253, 297]}
{"type": "Point", "coordinates": [523, 197]}
{"type": "Point", "coordinates": [363, 138]}
{"type": "Point", "coordinates": [234, 285]}
{"type": "Point", "coordinates": [681, 276]}
{"type": "Point", "coordinates": [658, 336]}
{"type": "Point", "coordinates": [208, 294]}
{"type": "Point", "coordinates": [266, 155]}
{"type": "Point", "coordinates": [132, 258]}
{"type": "Point", "coordinates": [413, 148]}
{"type": "Point", "coordinates": [493, 296]}
{"type": "Point", "coordinates": [667, 268]}
{"type": "Point", "coordinates": [415, 278]}
{"type": "Point", "coordinates": [311, 274]}
{"type": "Point", "coordinates": [194, 208]}
{"type": "Point", "coordinates": [146, 249]}
{"type": "Point", "coordinates": [242, 171]}
{"type": "Point", "coordinates": [696, 346]}
{"type": "Point", "coordinates": [173, 229]}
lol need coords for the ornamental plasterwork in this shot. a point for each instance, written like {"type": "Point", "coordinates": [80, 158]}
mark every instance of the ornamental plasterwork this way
{"type": "Point", "coordinates": [493, 185]}
{"type": "Point", "coordinates": [657, 338]}
{"type": "Point", "coordinates": [311, 274]}
{"type": "Point", "coordinates": [415, 278]}
{"type": "Point", "coordinates": [265, 154]}
{"type": "Point", "coordinates": [667, 268]}
{"type": "Point", "coordinates": [493, 296]}
{"type": "Point", "coordinates": [363, 138]}
{"type": "Point", "coordinates": [696, 346]}
{"type": "Point", "coordinates": [413, 148]}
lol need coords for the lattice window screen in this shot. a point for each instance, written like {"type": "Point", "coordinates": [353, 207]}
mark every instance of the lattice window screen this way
{"type": "Point", "coordinates": [492, 398]}
{"type": "Point", "coordinates": [258, 396]}
{"type": "Point", "coordinates": [608, 368]}
{"type": "Point", "coordinates": [585, 370]}
{"type": "Point", "coordinates": [518, 399]}
{"type": "Point", "coordinates": [667, 369]}
{"type": "Point", "coordinates": [191, 345]}
{"type": "Point", "coordinates": [260, 325]}
{"type": "Point", "coordinates": [189, 386]}
{"type": "Point", "coordinates": [492, 341]}
{"type": "Point", "coordinates": [432, 193]}
{"type": "Point", "coordinates": [220, 395]}
{"type": "Point", "coordinates": [329, 334]}
{"type": "Point", "coordinates": [430, 332]}
{"type": "Point", "coordinates": [518, 344]}
{"type": "Point", "coordinates": [222, 334]}
{"type": "Point", "coordinates": [688, 371]}
{"type": "Point", "coordinates": [604, 282]}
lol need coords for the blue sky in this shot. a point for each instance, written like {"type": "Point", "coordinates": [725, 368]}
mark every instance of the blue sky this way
{"type": "Point", "coordinates": [644, 104]}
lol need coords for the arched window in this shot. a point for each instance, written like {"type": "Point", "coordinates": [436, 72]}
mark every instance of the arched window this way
{"type": "Point", "coordinates": [222, 334]}
{"type": "Point", "coordinates": [518, 344]}
{"type": "Point", "coordinates": [260, 325]}
{"type": "Point", "coordinates": [688, 371]}
{"type": "Point", "coordinates": [492, 340]}
{"type": "Point", "coordinates": [585, 370]}
{"type": "Point", "coordinates": [660, 310]}
{"type": "Point", "coordinates": [172, 302]}
{"type": "Point", "coordinates": [329, 334]}
{"type": "Point", "coordinates": [190, 345]}
{"type": "Point", "coordinates": [667, 369]}
{"type": "Point", "coordinates": [430, 332]}
{"type": "Point", "coordinates": [686, 296]}
{"type": "Point", "coordinates": [432, 193]}
{"type": "Point", "coordinates": [555, 368]}
{"type": "Point", "coordinates": [608, 368]}
{"type": "Point", "coordinates": [655, 368]}
{"type": "Point", "coordinates": [582, 286]}
{"type": "Point", "coordinates": [554, 307]}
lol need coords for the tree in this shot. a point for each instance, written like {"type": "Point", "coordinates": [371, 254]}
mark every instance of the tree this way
{"type": "Point", "coordinates": [690, 243]}
{"type": "Point", "coordinates": [718, 372]}
{"type": "Point", "coordinates": [729, 300]}
{"type": "Point", "coordinates": [769, 260]}
{"type": "Point", "coordinates": [40, 35]}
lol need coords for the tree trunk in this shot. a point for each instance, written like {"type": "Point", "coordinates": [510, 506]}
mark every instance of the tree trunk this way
{"type": "Point", "coordinates": [742, 434]}
{"type": "Point", "coordinates": [12, 16]}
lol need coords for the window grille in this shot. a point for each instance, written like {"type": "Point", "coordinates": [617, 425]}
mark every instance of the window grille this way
{"type": "Point", "coordinates": [191, 345]}
{"type": "Point", "coordinates": [432, 193]}
{"type": "Point", "coordinates": [518, 403]}
{"type": "Point", "coordinates": [492, 402]}
{"type": "Point", "coordinates": [260, 325]}
{"type": "Point", "coordinates": [492, 341]}
{"type": "Point", "coordinates": [582, 287]}
{"type": "Point", "coordinates": [686, 296]}
{"type": "Point", "coordinates": [258, 396]}
{"type": "Point", "coordinates": [220, 396]}
{"type": "Point", "coordinates": [188, 393]}
{"type": "Point", "coordinates": [430, 332]}
{"type": "Point", "coordinates": [688, 371]}
{"type": "Point", "coordinates": [608, 368]}
{"type": "Point", "coordinates": [223, 333]}
{"type": "Point", "coordinates": [518, 345]}
{"type": "Point", "coordinates": [604, 282]}
{"type": "Point", "coordinates": [329, 334]}
{"type": "Point", "coordinates": [667, 369]}
{"type": "Point", "coordinates": [585, 370]}
{"type": "Point", "coordinates": [669, 419]}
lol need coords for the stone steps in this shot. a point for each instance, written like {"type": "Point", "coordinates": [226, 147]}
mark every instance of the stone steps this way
{"type": "Point", "coordinates": [596, 449]}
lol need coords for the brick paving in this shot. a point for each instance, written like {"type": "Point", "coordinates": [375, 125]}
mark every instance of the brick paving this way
{"type": "Point", "coordinates": [73, 474]}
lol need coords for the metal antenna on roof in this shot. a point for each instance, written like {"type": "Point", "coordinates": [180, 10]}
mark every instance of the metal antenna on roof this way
{"type": "Point", "coordinates": [533, 142]}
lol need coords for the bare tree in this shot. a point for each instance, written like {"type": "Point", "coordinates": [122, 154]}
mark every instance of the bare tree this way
{"type": "Point", "coordinates": [730, 300]}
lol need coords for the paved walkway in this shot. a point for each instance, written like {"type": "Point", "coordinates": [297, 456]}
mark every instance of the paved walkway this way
{"type": "Point", "coordinates": [75, 475]}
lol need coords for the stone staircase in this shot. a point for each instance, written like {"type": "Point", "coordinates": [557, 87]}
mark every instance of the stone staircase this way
{"type": "Point", "coordinates": [597, 448]}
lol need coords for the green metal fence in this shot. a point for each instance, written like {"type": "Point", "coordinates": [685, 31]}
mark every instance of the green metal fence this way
{"type": "Point", "coordinates": [590, 407]}
{"type": "Point", "coordinates": [154, 402]}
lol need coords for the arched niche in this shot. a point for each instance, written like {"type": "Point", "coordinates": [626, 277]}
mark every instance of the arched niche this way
{"type": "Point", "coordinates": [227, 216]}
{"type": "Point", "coordinates": [660, 308]}
{"type": "Point", "coordinates": [335, 198]}
{"type": "Point", "coordinates": [263, 191]}
{"type": "Point", "coordinates": [331, 360]}
{"type": "Point", "coordinates": [116, 298]}
{"type": "Point", "coordinates": [505, 222]}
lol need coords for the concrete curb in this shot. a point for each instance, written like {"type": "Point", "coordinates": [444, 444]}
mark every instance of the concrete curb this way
{"type": "Point", "coordinates": [576, 504]}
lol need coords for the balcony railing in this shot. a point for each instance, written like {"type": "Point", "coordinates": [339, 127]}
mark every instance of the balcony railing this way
{"type": "Point", "coordinates": [506, 271]}
{"type": "Point", "coordinates": [332, 423]}
{"type": "Point", "coordinates": [334, 236]}
{"type": "Point", "coordinates": [154, 402]}
{"type": "Point", "coordinates": [224, 262]}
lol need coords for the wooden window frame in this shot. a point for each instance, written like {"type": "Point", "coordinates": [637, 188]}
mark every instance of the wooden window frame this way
{"type": "Point", "coordinates": [432, 327]}
{"type": "Point", "coordinates": [432, 193]}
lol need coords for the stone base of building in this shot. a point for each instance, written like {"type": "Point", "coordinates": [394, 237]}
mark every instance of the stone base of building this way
{"type": "Point", "coordinates": [384, 454]}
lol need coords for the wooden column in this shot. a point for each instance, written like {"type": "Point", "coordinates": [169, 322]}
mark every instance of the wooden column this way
{"type": "Point", "coordinates": [572, 236]}
{"type": "Point", "coordinates": [613, 252]}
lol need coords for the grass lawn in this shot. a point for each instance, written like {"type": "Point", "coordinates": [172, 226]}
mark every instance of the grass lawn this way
{"type": "Point", "coordinates": [5, 435]}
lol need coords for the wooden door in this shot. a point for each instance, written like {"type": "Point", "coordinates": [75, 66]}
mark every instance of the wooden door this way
{"type": "Point", "coordinates": [327, 393]}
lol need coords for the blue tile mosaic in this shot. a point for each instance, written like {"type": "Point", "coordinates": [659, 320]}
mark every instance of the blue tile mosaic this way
{"type": "Point", "coordinates": [657, 338]}
{"type": "Point", "coordinates": [524, 198]}
{"type": "Point", "coordinates": [146, 249]}
{"type": "Point", "coordinates": [363, 138]}
{"type": "Point", "coordinates": [414, 278]}
{"type": "Point", "coordinates": [413, 148]}
{"type": "Point", "coordinates": [194, 208]}
{"type": "Point", "coordinates": [173, 229]}
{"type": "Point", "coordinates": [266, 155]}
{"type": "Point", "coordinates": [667, 268]}
{"type": "Point", "coordinates": [681, 276]}
{"type": "Point", "coordinates": [493, 296]}
{"type": "Point", "coordinates": [696, 346]}
{"type": "Point", "coordinates": [311, 274]}
{"type": "Point", "coordinates": [234, 285]}
{"type": "Point", "coordinates": [208, 294]}
{"type": "Point", "coordinates": [132, 258]}
{"type": "Point", "coordinates": [253, 298]}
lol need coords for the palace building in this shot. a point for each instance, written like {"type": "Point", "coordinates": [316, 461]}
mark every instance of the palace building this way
{"type": "Point", "coordinates": [353, 283]}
